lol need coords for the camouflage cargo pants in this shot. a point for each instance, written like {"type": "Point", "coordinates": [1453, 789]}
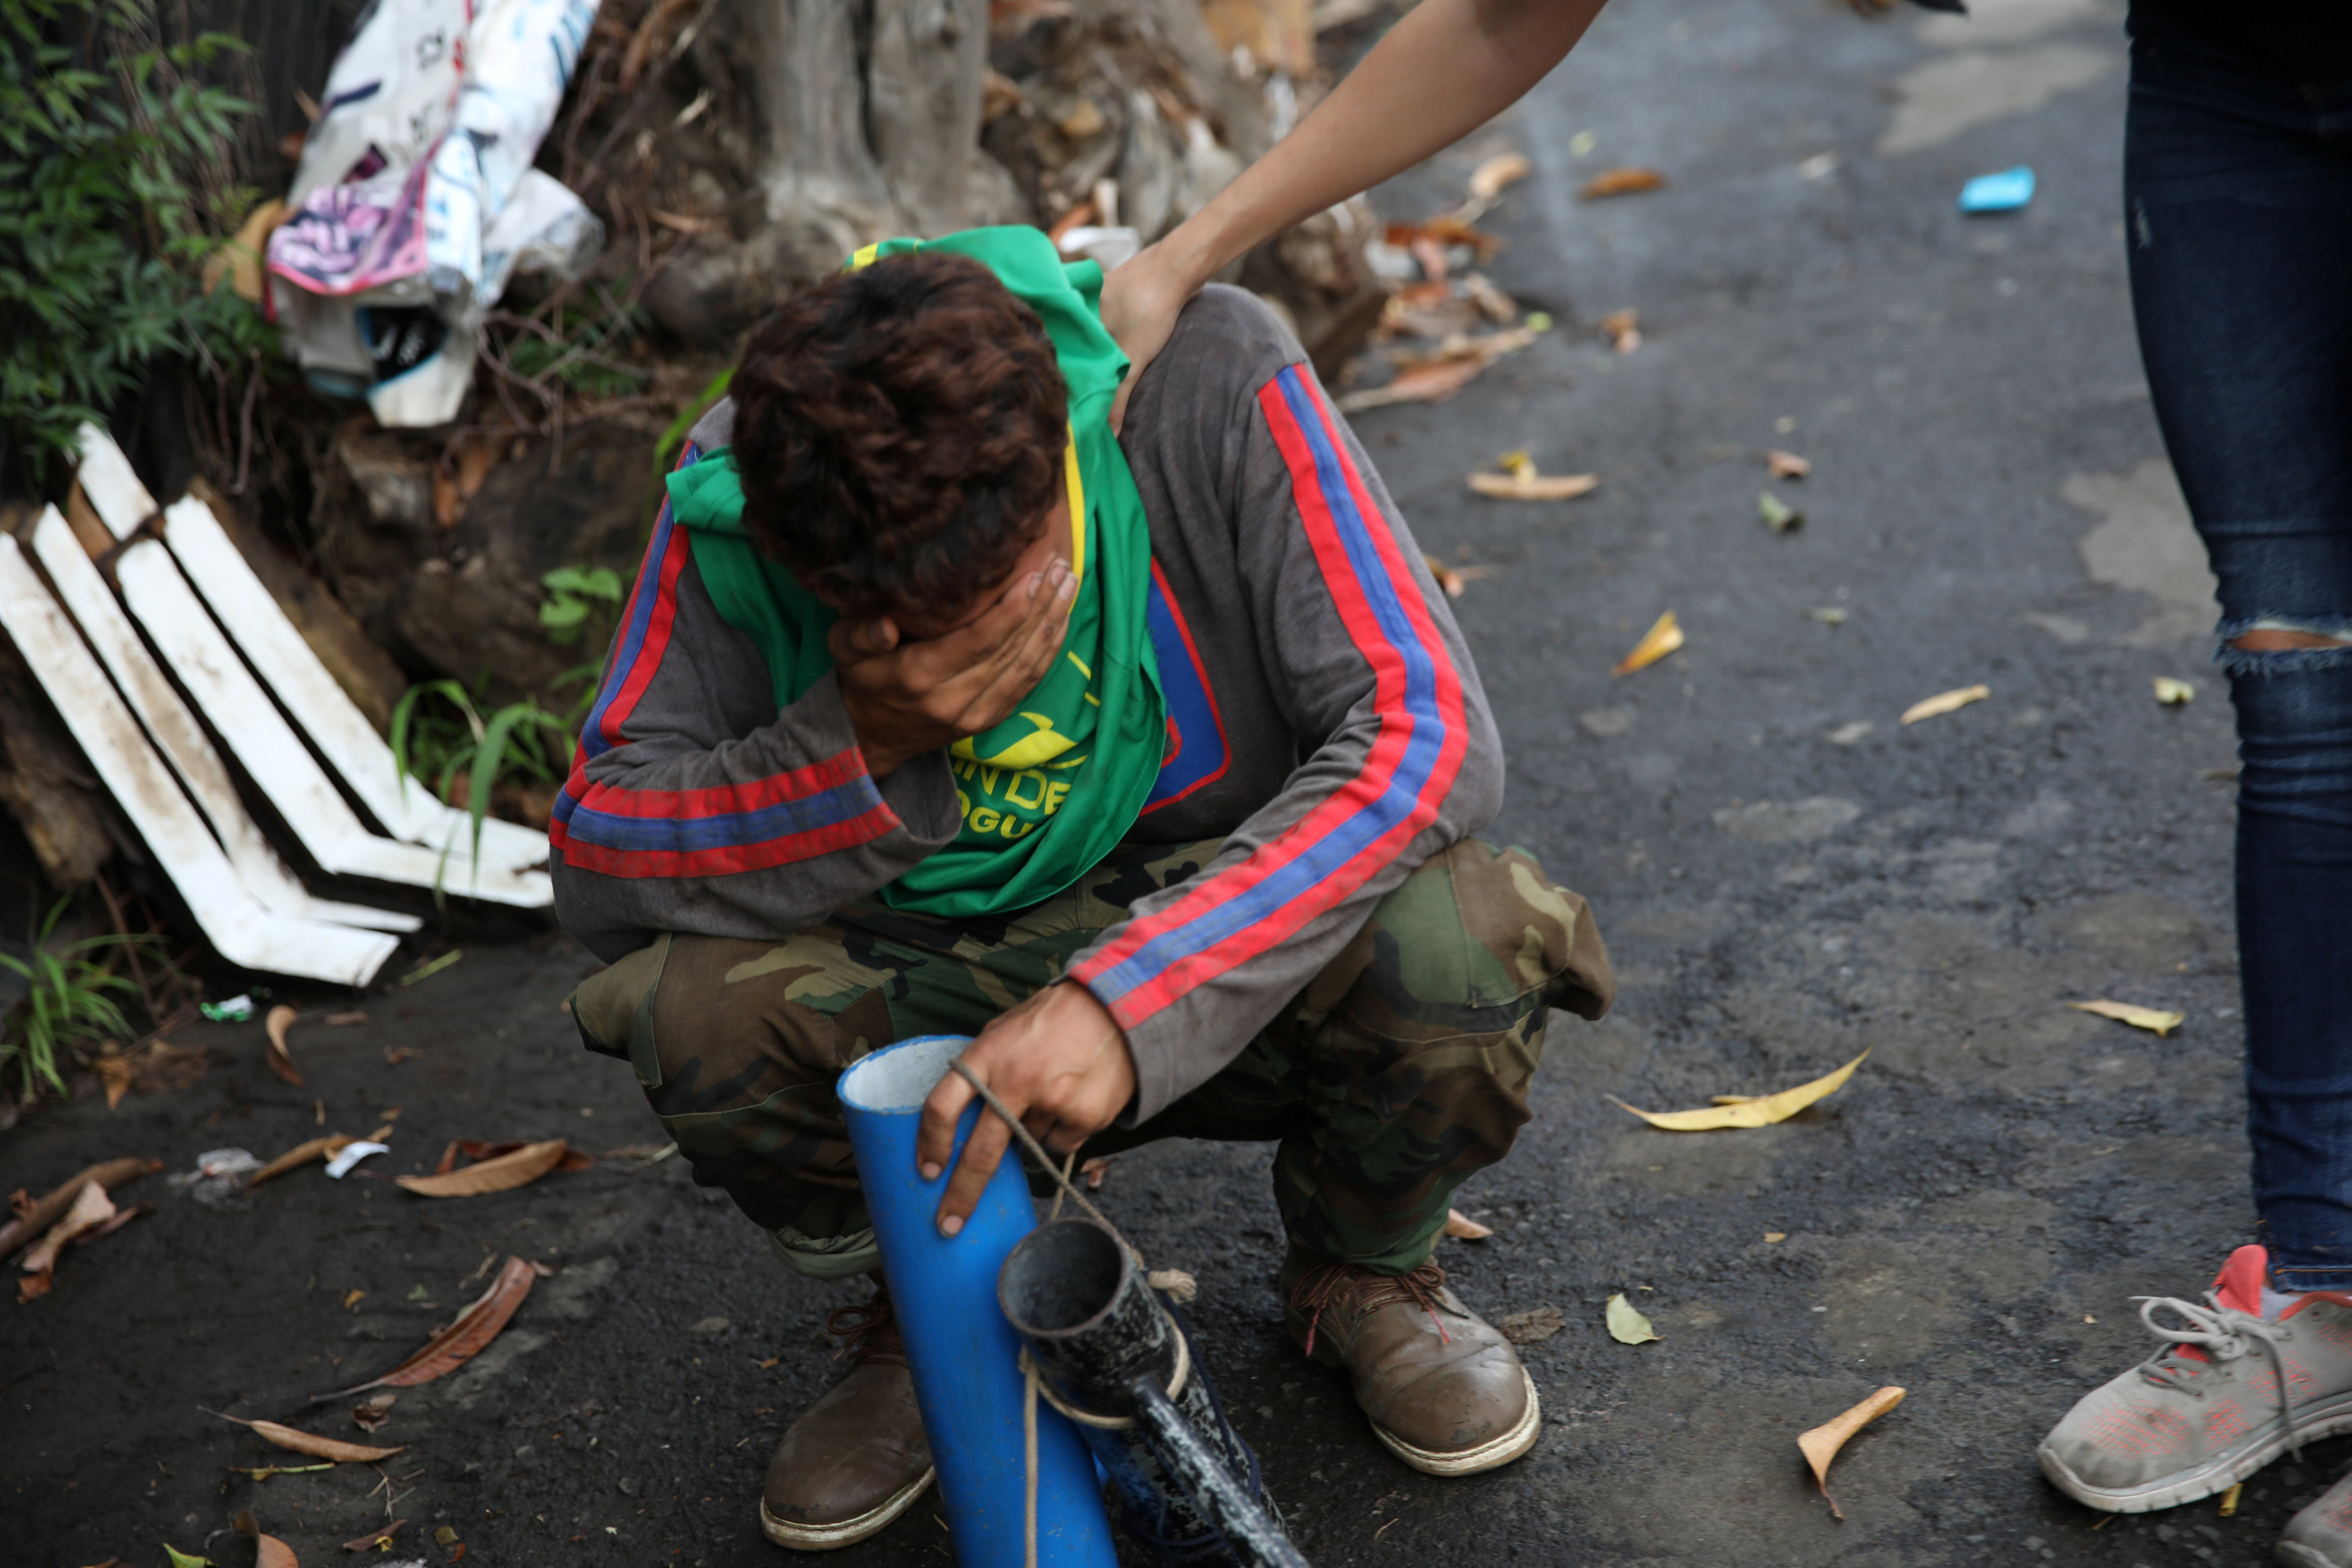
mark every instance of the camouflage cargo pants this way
{"type": "Point", "coordinates": [1401, 1069]}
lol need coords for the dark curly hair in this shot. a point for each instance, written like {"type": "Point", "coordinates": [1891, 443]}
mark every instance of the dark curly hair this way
{"type": "Point", "coordinates": [899, 430]}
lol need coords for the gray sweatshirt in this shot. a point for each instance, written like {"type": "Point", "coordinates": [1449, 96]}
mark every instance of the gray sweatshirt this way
{"type": "Point", "coordinates": [1328, 725]}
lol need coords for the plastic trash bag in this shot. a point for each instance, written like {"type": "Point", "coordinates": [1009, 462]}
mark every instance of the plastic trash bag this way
{"type": "Point", "coordinates": [416, 201]}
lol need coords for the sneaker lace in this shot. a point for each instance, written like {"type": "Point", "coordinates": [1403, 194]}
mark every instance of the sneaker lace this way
{"type": "Point", "coordinates": [868, 1332]}
{"type": "Point", "coordinates": [1322, 1285]}
{"type": "Point", "coordinates": [2222, 1334]}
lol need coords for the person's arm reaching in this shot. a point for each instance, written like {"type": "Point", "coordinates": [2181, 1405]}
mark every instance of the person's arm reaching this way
{"type": "Point", "coordinates": [1445, 69]}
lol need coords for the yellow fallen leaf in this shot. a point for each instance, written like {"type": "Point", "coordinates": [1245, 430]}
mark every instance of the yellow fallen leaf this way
{"type": "Point", "coordinates": [1662, 638]}
{"type": "Point", "coordinates": [2172, 693]}
{"type": "Point", "coordinates": [1458, 1223]}
{"type": "Point", "coordinates": [1519, 465]}
{"type": "Point", "coordinates": [1626, 1324]}
{"type": "Point", "coordinates": [1761, 1112]}
{"type": "Point", "coordinates": [1820, 1445]}
{"type": "Point", "coordinates": [1486, 181]}
{"type": "Point", "coordinates": [2229, 1500]}
{"type": "Point", "coordinates": [1771, 1236]}
{"type": "Point", "coordinates": [2152, 1019]}
{"type": "Point", "coordinates": [1945, 702]}
{"type": "Point", "coordinates": [1532, 486]}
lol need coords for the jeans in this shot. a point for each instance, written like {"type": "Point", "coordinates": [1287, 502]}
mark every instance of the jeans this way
{"type": "Point", "coordinates": [2238, 194]}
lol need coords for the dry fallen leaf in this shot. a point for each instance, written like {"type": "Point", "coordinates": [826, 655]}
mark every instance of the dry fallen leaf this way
{"type": "Point", "coordinates": [344, 1020]}
{"type": "Point", "coordinates": [1461, 1226]}
{"type": "Point", "coordinates": [1532, 1326]}
{"type": "Point", "coordinates": [32, 1218]}
{"type": "Point", "coordinates": [370, 1414]}
{"type": "Point", "coordinates": [282, 1019]}
{"type": "Point", "coordinates": [1771, 1236]}
{"type": "Point", "coordinates": [1454, 580]}
{"type": "Point", "coordinates": [1945, 702]}
{"type": "Point", "coordinates": [2156, 1021]}
{"type": "Point", "coordinates": [1626, 1323]}
{"type": "Point", "coordinates": [523, 1166]}
{"type": "Point", "coordinates": [1786, 465]}
{"type": "Point", "coordinates": [1625, 182]}
{"type": "Point", "coordinates": [1820, 1445]}
{"type": "Point", "coordinates": [379, 1542]}
{"type": "Point", "coordinates": [1621, 329]}
{"type": "Point", "coordinates": [1761, 1112]}
{"type": "Point", "coordinates": [310, 1443]}
{"type": "Point", "coordinates": [91, 1209]}
{"type": "Point", "coordinates": [114, 1071]}
{"type": "Point", "coordinates": [1488, 179]}
{"type": "Point", "coordinates": [1442, 231]}
{"type": "Point", "coordinates": [1535, 487]}
{"type": "Point", "coordinates": [1662, 638]}
{"type": "Point", "coordinates": [2171, 693]}
{"type": "Point", "coordinates": [301, 1155]}
{"type": "Point", "coordinates": [1452, 366]}
{"type": "Point", "coordinates": [268, 1551]}
{"type": "Point", "coordinates": [464, 1337]}
{"type": "Point", "coordinates": [484, 1149]}
{"type": "Point", "coordinates": [351, 1299]}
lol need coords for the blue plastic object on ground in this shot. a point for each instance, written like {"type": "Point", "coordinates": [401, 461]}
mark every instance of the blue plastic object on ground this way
{"type": "Point", "coordinates": [962, 1351]}
{"type": "Point", "coordinates": [2002, 192]}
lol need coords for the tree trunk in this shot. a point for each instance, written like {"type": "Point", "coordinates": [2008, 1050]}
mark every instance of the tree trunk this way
{"type": "Point", "coordinates": [849, 120]}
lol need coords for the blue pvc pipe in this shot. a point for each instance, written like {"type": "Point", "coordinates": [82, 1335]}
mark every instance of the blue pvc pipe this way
{"type": "Point", "coordinates": [962, 1353]}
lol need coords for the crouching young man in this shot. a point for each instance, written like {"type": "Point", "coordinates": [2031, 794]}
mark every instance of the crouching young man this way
{"type": "Point", "coordinates": [1150, 762]}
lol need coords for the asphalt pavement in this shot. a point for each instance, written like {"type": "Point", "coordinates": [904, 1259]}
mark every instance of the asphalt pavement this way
{"type": "Point", "coordinates": [1786, 874]}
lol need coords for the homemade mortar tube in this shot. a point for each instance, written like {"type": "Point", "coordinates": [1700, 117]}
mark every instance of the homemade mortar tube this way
{"type": "Point", "coordinates": [1101, 1337]}
{"type": "Point", "coordinates": [963, 1355]}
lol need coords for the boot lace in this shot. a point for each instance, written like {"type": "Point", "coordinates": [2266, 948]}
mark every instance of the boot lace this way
{"type": "Point", "coordinates": [868, 1332]}
{"type": "Point", "coordinates": [1324, 1284]}
{"type": "Point", "coordinates": [2222, 1334]}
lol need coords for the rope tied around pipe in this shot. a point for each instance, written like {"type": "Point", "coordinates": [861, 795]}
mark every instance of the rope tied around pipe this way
{"type": "Point", "coordinates": [1178, 1284]}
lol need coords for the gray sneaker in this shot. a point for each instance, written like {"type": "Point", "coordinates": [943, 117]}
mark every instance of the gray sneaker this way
{"type": "Point", "coordinates": [2321, 1535]}
{"type": "Point", "coordinates": [2206, 1411]}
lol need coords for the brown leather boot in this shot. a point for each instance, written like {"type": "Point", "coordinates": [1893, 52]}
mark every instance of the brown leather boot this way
{"type": "Point", "coordinates": [856, 1458]}
{"type": "Point", "coordinates": [1445, 1391]}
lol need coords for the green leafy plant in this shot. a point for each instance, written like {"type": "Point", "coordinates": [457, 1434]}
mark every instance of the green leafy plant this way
{"type": "Point", "coordinates": [440, 735]}
{"type": "Point", "coordinates": [110, 198]}
{"type": "Point", "coordinates": [68, 1002]}
{"type": "Point", "coordinates": [570, 590]}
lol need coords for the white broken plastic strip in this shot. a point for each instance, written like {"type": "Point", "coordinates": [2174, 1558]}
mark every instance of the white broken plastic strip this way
{"type": "Point", "coordinates": [180, 739]}
{"type": "Point", "coordinates": [322, 708]}
{"type": "Point", "coordinates": [239, 928]}
{"type": "Point", "coordinates": [274, 757]}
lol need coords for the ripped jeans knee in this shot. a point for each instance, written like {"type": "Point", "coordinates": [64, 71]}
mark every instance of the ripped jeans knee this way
{"type": "Point", "coordinates": [2280, 645]}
